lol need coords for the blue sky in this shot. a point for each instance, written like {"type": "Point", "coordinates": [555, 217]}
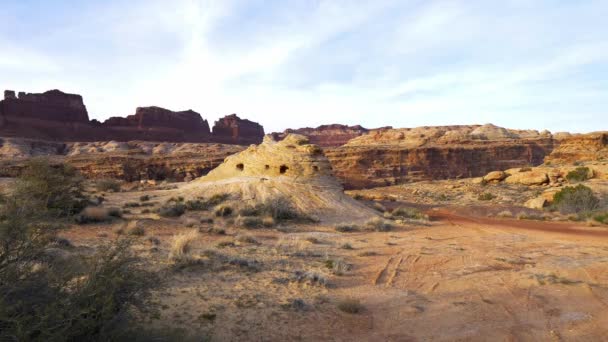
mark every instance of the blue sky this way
{"type": "Point", "coordinates": [515, 63]}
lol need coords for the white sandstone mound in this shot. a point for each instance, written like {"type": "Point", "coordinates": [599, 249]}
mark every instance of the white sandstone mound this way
{"type": "Point", "coordinates": [291, 169]}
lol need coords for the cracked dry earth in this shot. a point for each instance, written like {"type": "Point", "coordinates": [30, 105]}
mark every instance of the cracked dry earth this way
{"type": "Point", "coordinates": [458, 278]}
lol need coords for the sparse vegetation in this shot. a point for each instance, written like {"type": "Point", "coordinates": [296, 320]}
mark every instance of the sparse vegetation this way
{"type": "Point", "coordinates": [351, 306]}
{"type": "Point", "coordinates": [57, 189]}
{"type": "Point", "coordinates": [580, 174]}
{"type": "Point", "coordinates": [97, 214]}
{"type": "Point", "coordinates": [408, 213]}
{"type": "Point", "coordinates": [486, 196]}
{"type": "Point", "coordinates": [172, 209]}
{"type": "Point", "coordinates": [223, 211]}
{"type": "Point", "coordinates": [347, 228]}
{"type": "Point", "coordinates": [106, 185]}
{"type": "Point", "coordinates": [144, 198]}
{"type": "Point", "coordinates": [136, 231]}
{"type": "Point", "coordinates": [248, 222]}
{"type": "Point", "coordinates": [505, 214]}
{"type": "Point", "coordinates": [278, 208]}
{"type": "Point", "coordinates": [337, 266]}
{"type": "Point", "coordinates": [379, 225]}
{"type": "Point", "coordinates": [181, 247]}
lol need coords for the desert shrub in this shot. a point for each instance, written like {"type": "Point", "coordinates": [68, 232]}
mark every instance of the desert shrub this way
{"type": "Point", "coordinates": [409, 213]}
{"type": "Point", "coordinates": [96, 215]}
{"type": "Point", "coordinates": [136, 231]}
{"type": "Point", "coordinates": [73, 298]}
{"type": "Point", "coordinates": [505, 214]}
{"type": "Point", "coordinates": [347, 228]}
{"type": "Point", "coordinates": [378, 224]}
{"type": "Point", "coordinates": [144, 198]}
{"type": "Point", "coordinates": [248, 222]}
{"type": "Point", "coordinates": [486, 196]}
{"type": "Point", "coordinates": [347, 246]}
{"type": "Point", "coordinates": [580, 174]}
{"type": "Point", "coordinates": [104, 185]}
{"type": "Point", "coordinates": [337, 266]}
{"type": "Point", "coordinates": [132, 205]}
{"type": "Point", "coordinates": [181, 246]}
{"type": "Point", "coordinates": [55, 188]}
{"type": "Point", "coordinates": [268, 221]}
{"type": "Point", "coordinates": [575, 200]}
{"type": "Point", "coordinates": [246, 239]}
{"type": "Point", "coordinates": [196, 205]}
{"type": "Point", "coordinates": [279, 208]}
{"type": "Point", "coordinates": [351, 306]}
{"type": "Point", "coordinates": [311, 278]}
{"type": "Point", "coordinates": [217, 199]}
{"type": "Point", "coordinates": [172, 209]}
{"type": "Point", "coordinates": [223, 211]}
{"type": "Point", "coordinates": [601, 218]}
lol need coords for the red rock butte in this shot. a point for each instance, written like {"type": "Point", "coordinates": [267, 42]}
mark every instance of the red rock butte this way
{"type": "Point", "coordinates": [55, 115]}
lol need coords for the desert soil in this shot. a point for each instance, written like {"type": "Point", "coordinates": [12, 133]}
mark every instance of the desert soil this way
{"type": "Point", "coordinates": [461, 276]}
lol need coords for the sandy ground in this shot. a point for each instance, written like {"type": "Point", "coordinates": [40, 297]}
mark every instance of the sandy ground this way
{"type": "Point", "coordinates": [459, 277]}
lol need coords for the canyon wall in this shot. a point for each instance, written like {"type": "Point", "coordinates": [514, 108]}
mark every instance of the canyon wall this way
{"type": "Point", "coordinates": [395, 156]}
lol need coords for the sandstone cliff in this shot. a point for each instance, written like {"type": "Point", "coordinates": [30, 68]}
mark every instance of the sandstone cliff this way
{"type": "Point", "coordinates": [580, 147]}
{"type": "Point", "coordinates": [232, 129]}
{"type": "Point", "coordinates": [396, 156]}
{"type": "Point", "coordinates": [59, 116]}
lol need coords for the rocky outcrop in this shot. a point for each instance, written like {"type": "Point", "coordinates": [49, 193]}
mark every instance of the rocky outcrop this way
{"type": "Point", "coordinates": [159, 124]}
{"type": "Point", "coordinates": [131, 161]}
{"type": "Point", "coordinates": [58, 116]}
{"type": "Point", "coordinates": [47, 115]}
{"type": "Point", "coordinates": [234, 130]}
{"type": "Point", "coordinates": [326, 135]}
{"type": "Point", "coordinates": [291, 169]}
{"type": "Point", "coordinates": [573, 148]}
{"type": "Point", "coordinates": [395, 156]}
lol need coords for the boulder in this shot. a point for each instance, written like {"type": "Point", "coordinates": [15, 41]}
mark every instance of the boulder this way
{"type": "Point", "coordinates": [533, 177]}
{"type": "Point", "coordinates": [495, 176]}
{"type": "Point", "coordinates": [536, 203]}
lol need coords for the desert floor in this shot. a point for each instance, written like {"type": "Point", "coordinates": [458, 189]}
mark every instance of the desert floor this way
{"type": "Point", "coordinates": [460, 276]}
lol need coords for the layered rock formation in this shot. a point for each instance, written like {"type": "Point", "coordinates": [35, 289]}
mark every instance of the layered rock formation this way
{"type": "Point", "coordinates": [394, 156]}
{"type": "Point", "coordinates": [131, 161]}
{"type": "Point", "coordinates": [234, 130]}
{"type": "Point", "coordinates": [579, 147]}
{"type": "Point", "coordinates": [326, 135]}
{"type": "Point", "coordinates": [292, 169]}
{"type": "Point", "coordinates": [58, 116]}
{"type": "Point", "coordinates": [159, 124]}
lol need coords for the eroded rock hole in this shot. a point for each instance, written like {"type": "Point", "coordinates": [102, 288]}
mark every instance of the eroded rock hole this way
{"type": "Point", "coordinates": [240, 167]}
{"type": "Point", "coordinates": [267, 167]}
{"type": "Point", "coordinates": [283, 169]}
{"type": "Point", "coordinates": [315, 168]}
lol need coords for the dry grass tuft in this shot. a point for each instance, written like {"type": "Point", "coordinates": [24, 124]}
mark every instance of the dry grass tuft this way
{"type": "Point", "coordinates": [181, 246]}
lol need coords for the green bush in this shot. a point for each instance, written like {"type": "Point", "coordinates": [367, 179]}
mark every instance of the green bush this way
{"type": "Point", "coordinates": [580, 174]}
{"type": "Point", "coordinates": [104, 185]}
{"type": "Point", "coordinates": [55, 188]}
{"type": "Point", "coordinates": [575, 200]}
